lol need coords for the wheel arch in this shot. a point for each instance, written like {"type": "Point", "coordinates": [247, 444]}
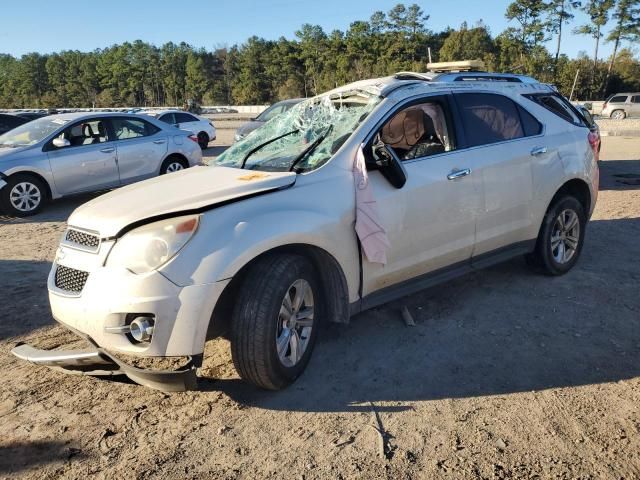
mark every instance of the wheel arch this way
{"type": "Point", "coordinates": [332, 280]}
{"type": "Point", "coordinates": [35, 175]}
{"type": "Point", "coordinates": [577, 188]}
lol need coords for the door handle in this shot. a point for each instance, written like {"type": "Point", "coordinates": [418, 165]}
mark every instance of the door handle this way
{"type": "Point", "coordinates": [459, 174]}
{"type": "Point", "coordinates": [538, 151]}
{"type": "Point", "coordinates": [107, 149]}
{"type": "Point", "coordinates": [159, 142]}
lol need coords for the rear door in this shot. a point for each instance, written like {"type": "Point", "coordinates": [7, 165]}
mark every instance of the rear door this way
{"type": "Point", "coordinates": [502, 138]}
{"type": "Point", "coordinates": [89, 162]}
{"type": "Point", "coordinates": [634, 111]}
{"type": "Point", "coordinates": [141, 148]}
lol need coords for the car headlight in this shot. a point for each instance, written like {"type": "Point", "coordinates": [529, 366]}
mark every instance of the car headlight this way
{"type": "Point", "coordinates": [149, 247]}
{"type": "Point", "coordinates": [238, 137]}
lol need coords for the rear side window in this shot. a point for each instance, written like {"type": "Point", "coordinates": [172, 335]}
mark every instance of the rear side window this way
{"type": "Point", "coordinates": [490, 118]}
{"type": "Point", "coordinates": [618, 99]}
{"type": "Point", "coordinates": [185, 118]}
{"type": "Point", "coordinates": [126, 128]}
{"type": "Point", "coordinates": [167, 118]}
{"type": "Point", "coordinates": [559, 105]}
{"type": "Point", "coordinates": [635, 99]}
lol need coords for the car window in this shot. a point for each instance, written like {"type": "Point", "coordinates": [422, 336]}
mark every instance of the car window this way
{"type": "Point", "coordinates": [126, 128]}
{"type": "Point", "coordinates": [86, 132]}
{"type": "Point", "coordinates": [271, 112]}
{"type": "Point", "coordinates": [618, 99]}
{"type": "Point", "coordinates": [418, 131]}
{"type": "Point", "coordinates": [167, 118]}
{"type": "Point", "coordinates": [635, 99]}
{"type": "Point", "coordinates": [489, 118]}
{"type": "Point", "coordinates": [185, 118]}
{"type": "Point", "coordinates": [557, 104]}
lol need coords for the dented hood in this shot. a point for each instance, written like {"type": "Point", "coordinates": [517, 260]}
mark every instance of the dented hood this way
{"type": "Point", "coordinates": [191, 189]}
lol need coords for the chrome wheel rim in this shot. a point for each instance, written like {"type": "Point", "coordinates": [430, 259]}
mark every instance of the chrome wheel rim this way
{"type": "Point", "coordinates": [25, 196]}
{"type": "Point", "coordinates": [565, 236]}
{"type": "Point", "coordinates": [618, 115]}
{"type": "Point", "coordinates": [174, 167]}
{"type": "Point", "coordinates": [295, 322]}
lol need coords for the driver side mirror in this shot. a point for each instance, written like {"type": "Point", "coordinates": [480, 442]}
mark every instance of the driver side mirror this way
{"type": "Point", "coordinates": [390, 165]}
{"type": "Point", "coordinates": [61, 142]}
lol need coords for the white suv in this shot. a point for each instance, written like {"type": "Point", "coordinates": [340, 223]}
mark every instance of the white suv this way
{"type": "Point", "coordinates": [351, 199]}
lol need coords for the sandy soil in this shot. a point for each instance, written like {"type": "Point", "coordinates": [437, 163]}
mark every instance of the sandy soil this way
{"type": "Point", "coordinates": [507, 374]}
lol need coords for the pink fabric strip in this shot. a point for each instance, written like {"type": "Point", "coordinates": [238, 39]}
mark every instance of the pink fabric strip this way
{"type": "Point", "coordinates": [370, 231]}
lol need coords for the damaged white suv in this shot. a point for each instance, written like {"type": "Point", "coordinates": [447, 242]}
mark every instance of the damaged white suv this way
{"type": "Point", "coordinates": [351, 199]}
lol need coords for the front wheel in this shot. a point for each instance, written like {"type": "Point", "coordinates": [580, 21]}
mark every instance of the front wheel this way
{"type": "Point", "coordinates": [22, 196]}
{"type": "Point", "coordinates": [275, 321]}
{"type": "Point", "coordinates": [561, 237]}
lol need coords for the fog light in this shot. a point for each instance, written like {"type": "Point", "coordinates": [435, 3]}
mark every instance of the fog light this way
{"type": "Point", "coordinates": [141, 329]}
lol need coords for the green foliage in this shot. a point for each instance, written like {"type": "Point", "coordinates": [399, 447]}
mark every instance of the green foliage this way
{"type": "Point", "coordinates": [262, 71]}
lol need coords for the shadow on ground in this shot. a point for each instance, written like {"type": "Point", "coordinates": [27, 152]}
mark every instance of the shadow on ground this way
{"type": "Point", "coordinates": [21, 456]}
{"type": "Point", "coordinates": [619, 174]}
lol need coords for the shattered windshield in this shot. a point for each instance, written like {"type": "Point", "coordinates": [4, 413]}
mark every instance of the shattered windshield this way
{"type": "Point", "coordinates": [305, 137]}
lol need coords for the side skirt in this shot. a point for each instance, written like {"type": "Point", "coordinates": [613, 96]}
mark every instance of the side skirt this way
{"type": "Point", "coordinates": [442, 275]}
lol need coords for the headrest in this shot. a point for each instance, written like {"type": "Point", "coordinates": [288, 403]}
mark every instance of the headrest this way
{"type": "Point", "coordinates": [405, 129]}
{"type": "Point", "coordinates": [76, 131]}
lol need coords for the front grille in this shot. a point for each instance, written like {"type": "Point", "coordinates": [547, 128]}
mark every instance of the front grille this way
{"type": "Point", "coordinates": [82, 238]}
{"type": "Point", "coordinates": [70, 279]}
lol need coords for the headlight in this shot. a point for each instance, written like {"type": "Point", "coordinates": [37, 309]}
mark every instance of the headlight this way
{"type": "Point", "coordinates": [149, 247]}
{"type": "Point", "coordinates": [238, 137]}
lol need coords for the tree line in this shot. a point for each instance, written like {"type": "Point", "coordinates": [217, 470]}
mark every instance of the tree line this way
{"type": "Point", "coordinates": [261, 71]}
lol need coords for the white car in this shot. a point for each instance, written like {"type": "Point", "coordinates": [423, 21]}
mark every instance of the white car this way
{"type": "Point", "coordinates": [351, 199]}
{"type": "Point", "coordinates": [199, 126]}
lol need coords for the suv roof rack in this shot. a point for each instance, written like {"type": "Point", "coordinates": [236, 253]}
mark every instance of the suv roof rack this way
{"type": "Point", "coordinates": [463, 66]}
{"type": "Point", "coordinates": [475, 76]}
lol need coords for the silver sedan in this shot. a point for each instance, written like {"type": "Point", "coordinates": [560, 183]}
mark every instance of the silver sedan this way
{"type": "Point", "coordinates": [67, 154]}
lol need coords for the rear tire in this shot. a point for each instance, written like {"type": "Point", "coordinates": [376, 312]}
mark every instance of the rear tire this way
{"type": "Point", "coordinates": [275, 322]}
{"type": "Point", "coordinates": [203, 140]}
{"type": "Point", "coordinates": [173, 164]}
{"type": "Point", "coordinates": [561, 237]}
{"type": "Point", "coordinates": [23, 195]}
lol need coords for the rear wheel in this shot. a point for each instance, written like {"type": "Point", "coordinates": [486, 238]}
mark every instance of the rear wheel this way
{"type": "Point", "coordinates": [275, 321]}
{"type": "Point", "coordinates": [172, 164]}
{"type": "Point", "coordinates": [23, 195]}
{"type": "Point", "coordinates": [561, 237]}
{"type": "Point", "coordinates": [203, 140]}
{"type": "Point", "coordinates": [618, 114]}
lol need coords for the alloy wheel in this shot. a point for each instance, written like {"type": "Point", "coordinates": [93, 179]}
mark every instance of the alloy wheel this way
{"type": "Point", "coordinates": [295, 322]}
{"type": "Point", "coordinates": [25, 196]}
{"type": "Point", "coordinates": [565, 236]}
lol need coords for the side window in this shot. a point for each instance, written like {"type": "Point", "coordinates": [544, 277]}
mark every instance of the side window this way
{"type": "Point", "coordinates": [530, 124]}
{"type": "Point", "coordinates": [618, 99]}
{"type": "Point", "coordinates": [558, 105]}
{"type": "Point", "coordinates": [420, 130]}
{"type": "Point", "coordinates": [488, 118]}
{"type": "Point", "coordinates": [167, 118]}
{"type": "Point", "coordinates": [87, 132]}
{"type": "Point", "coordinates": [185, 118]}
{"type": "Point", "coordinates": [126, 128]}
{"type": "Point", "coordinates": [635, 99]}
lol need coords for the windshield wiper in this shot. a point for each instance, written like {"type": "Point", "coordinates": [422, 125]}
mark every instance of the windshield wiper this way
{"type": "Point", "coordinates": [255, 149]}
{"type": "Point", "coordinates": [310, 148]}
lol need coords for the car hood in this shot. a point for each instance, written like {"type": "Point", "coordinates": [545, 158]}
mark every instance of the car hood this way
{"type": "Point", "coordinates": [247, 128]}
{"type": "Point", "coordinates": [7, 152]}
{"type": "Point", "coordinates": [191, 189]}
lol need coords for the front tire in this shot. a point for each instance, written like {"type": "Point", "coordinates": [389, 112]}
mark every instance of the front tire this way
{"type": "Point", "coordinates": [22, 196]}
{"type": "Point", "coordinates": [561, 237]}
{"type": "Point", "coordinates": [275, 321]}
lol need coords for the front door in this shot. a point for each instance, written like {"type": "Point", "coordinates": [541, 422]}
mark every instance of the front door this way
{"type": "Point", "coordinates": [88, 162]}
{"type": "Point", "coordinates": [430, 221]}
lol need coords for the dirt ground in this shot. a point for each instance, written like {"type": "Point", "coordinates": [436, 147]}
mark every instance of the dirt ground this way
{"type": "Point", "coordinates": [507, 374]}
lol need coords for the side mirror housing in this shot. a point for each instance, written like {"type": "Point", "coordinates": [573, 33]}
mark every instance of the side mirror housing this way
{"type": "Point", "coordinates": [387, 161]}
{"type": "Point", "coordinates": [61, 142]}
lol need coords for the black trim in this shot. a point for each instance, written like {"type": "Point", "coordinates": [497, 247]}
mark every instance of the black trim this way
{"type": "Point", "coordinates": [3, 176]}
{"type": "Point", "coordinates": [195, 211]}
{"type": "Point", "coordinates": [441, 275]}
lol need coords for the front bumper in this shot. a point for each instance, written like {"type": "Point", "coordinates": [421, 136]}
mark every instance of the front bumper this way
{"type": "Point", "coordinates": [97, 362]}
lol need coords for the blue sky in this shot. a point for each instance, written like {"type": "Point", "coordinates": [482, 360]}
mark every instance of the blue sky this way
{"type": "Point", "coordinates": [46, 26]}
